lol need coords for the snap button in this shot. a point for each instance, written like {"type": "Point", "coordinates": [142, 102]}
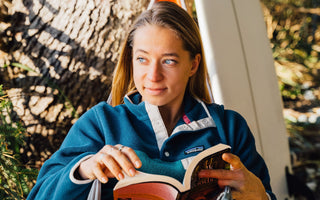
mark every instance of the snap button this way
{"type": "Point", "coordinates": [167, 154]}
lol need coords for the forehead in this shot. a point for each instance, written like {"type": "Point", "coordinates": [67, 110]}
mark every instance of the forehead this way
{"type": "Point", "coordinates": [156, 36]}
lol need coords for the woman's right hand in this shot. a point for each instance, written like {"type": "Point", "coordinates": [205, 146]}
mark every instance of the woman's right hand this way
{"type": "Point", "coordinates": [110, 162]}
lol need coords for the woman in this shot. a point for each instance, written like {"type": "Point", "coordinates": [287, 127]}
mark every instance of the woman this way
{"type": "Point", "coordinates": [161, 110]}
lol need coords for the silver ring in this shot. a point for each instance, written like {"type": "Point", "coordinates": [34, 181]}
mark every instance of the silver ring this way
{"type": "Point", "coordinates": [120, 148]}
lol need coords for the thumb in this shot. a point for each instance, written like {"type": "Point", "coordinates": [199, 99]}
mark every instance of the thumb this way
{"type": "Point", "coordinates": [233, 160]}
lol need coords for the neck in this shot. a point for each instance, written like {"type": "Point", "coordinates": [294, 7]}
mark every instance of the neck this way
{"type": "Point", "coordinates": [170, 116]}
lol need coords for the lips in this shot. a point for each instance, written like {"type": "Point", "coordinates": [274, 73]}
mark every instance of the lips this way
{"type": "Point", "coordinates": [155, 91]}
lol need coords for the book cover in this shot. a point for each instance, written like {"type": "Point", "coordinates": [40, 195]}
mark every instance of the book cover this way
{"type": "Point", "coordinates": [160, 187]}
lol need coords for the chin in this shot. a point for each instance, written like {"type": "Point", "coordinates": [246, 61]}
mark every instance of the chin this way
{"type": "Point", "coordinates": [156, 102]}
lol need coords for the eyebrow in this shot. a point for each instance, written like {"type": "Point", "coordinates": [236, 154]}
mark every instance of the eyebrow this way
{"type": "Point", "coordinates": [165, 54]}
{"type": "Point", "coordinates": [171, 54]}
{"type": "Point", "coordinates": [140, 50]}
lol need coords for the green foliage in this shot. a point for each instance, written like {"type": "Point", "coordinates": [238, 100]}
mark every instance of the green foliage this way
{"type": "Point", "coordinates": [295, 38]}
{"type": "Point", "coordinates": [16, 180]}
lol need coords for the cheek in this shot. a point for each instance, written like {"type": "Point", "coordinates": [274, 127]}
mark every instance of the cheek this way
{"type": "Point", "coordinates": [137, 77]}
{"type": "Point", "coordinates": [179, 81]}
{"type": "Point", "coordinates": [185, 76]}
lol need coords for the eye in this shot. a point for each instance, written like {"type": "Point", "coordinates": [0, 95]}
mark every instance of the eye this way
{"type": "Point", "coordinates": [141, 60]}
{"type": "Point", "coordinates": [170, 62]}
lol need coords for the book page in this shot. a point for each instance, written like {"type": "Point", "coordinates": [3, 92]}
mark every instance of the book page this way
{"type": "Point", "coordinates": [206, 188]}
{"type": "Point", "coordinates": [160, 187]}
{"type": "Point", "coordinates": [142, 177]}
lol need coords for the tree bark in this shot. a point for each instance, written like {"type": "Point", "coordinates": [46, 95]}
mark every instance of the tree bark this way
{"type": "Point", "coordinates": [71, 48]}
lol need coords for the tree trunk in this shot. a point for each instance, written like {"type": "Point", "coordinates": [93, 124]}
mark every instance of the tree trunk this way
{"type": "Point", "coordinates": [70, 48]}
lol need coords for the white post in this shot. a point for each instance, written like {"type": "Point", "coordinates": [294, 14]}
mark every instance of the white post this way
{"type": "Point", "coordinates": [243, 77]}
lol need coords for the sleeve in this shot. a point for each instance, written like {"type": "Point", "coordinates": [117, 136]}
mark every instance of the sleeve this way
{"type": "Point", "coordinates": [243, 145]}
{"type": "Point", "coordinates": [54, 182]}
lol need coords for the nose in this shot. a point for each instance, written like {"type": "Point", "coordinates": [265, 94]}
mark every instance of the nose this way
{"type": "Point", "coordinates": [154, 72]}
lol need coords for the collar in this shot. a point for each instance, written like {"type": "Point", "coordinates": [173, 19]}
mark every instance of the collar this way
{"type": "Point", "coordinates": [136, 106]}
{"type": "Point", "coordinates": [196, 116]}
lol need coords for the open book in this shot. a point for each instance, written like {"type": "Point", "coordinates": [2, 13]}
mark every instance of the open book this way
{"type": "Point", "coordinates": [160, 187]}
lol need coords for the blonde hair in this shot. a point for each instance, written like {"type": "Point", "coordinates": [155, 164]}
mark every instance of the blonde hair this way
{"type": "Point", "coordinates": [168, 15]}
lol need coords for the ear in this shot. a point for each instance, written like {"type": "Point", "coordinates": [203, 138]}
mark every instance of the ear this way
{"type": "Point", "coordinates": [195, 64]}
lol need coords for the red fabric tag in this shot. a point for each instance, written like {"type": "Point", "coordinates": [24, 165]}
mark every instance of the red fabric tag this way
{"type": "Point", "coordinates": [186, 119]}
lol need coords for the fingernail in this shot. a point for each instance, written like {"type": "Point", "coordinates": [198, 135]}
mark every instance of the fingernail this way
{"type": "Point", "coordinates": [137, 164]}
{"type": "Point", "coordinates": [132, 172]}
{"type": "Point", "coordinates": [120, 176]}
{"type": "Point", "coordinates": [103, 180]}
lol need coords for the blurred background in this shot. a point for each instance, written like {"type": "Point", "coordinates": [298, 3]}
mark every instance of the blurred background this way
{"type": "Point", "coordinates": [57, 58]}
{"type": "Point", "coordinates": [293, 28]}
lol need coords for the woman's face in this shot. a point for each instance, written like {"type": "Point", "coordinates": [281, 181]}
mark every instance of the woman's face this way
{"type": "Point", "coordinates": [161, 66]}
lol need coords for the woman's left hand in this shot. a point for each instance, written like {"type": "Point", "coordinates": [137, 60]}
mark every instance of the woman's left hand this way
{"type": "Point", "coordinates": [244, 184]}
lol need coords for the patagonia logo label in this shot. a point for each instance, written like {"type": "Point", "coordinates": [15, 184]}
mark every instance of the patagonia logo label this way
{"type": "Point", "coordinates": [194, 149]}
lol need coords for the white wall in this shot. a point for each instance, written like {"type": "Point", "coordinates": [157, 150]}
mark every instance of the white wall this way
{"type": "Point", "coordinates": [243, 77]}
